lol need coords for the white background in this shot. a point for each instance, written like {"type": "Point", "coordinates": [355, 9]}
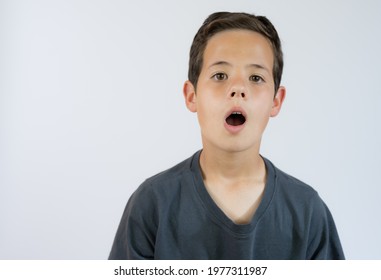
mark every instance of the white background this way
{"type": "Point", "coordinates": [91, 105]}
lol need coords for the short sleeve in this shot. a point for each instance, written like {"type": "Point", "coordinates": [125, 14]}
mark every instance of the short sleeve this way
{"type": "Point", "coordinates": [135, 237]}
{"type": "Point", "coordinates": [323, 241]}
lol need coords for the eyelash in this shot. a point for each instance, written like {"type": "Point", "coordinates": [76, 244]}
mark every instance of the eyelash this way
{"type": "Point", "coordinates": [259, 79]}
{"type": "Point", "coordinates": [223, 76]}
{"type": "Point", "coordinates": [218, 75]}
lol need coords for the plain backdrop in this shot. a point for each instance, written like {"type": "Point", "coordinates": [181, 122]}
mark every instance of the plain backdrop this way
{"type": "Point", "coordinates": [91, 105]}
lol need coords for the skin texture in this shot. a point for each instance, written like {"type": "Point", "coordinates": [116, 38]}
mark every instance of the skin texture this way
{"type": "Point", "coordinates": [236, 76]}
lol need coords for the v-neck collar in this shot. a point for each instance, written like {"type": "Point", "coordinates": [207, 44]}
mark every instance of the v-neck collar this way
{"type": "Point", "coordinates": [217, 214]}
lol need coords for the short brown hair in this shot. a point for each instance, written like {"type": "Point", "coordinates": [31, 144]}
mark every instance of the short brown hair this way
{"type": "Point", "coordinates": [222, 21]}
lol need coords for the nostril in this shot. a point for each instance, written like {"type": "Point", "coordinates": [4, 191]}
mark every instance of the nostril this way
{"type": "Point", "coordinates": [242, 94]}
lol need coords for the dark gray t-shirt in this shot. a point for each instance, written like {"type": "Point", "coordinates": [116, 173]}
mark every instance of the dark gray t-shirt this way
{"type": "Point", "coordinates": [172, 216]}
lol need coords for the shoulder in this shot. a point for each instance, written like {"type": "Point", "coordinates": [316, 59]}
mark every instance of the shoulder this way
{"type": "Point", "coordinates": [289, 185]}
{"type": "Point", "coordinates": [163, 186]}
{"type": "Point", "coordinates": [172, 174]}
{"type": "Point", "coordinates": [299, 200]}
{"type": "Point", "coordinates": [157, 195]}
{"type": "Point", "coordinates": [296, 196]}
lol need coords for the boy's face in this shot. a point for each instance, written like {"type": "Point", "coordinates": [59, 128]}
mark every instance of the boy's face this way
{"type": "Point", "coordinates": [234, 97]}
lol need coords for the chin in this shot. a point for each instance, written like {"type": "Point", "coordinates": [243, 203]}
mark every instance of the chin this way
{"type": "Point", "coordinates": [238, 147]}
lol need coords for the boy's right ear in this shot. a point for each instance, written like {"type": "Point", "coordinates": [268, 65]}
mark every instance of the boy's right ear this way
{"type": "Point", "coordinates": [190, 96]}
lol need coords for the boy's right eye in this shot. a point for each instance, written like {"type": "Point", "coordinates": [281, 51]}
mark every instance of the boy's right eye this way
{"type": "Point", "coordinates": [220, 76]}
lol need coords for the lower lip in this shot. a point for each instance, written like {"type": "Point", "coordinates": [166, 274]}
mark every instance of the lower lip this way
{"type": "Point", "coordinates": [234, 129]}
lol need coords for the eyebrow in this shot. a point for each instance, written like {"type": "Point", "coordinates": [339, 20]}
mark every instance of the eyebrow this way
{"type": "Point", "coordinates": [219, 63]}
{"type": "Point", "coordinates": [254, 65]}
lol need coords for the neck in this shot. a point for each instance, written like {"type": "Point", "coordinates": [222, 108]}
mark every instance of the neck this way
{"type": "Point", "coordinates": [236, 166]}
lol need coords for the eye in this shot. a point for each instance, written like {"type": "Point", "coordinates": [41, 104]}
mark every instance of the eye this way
{"type": "Point", "coordinates": [220, 76]}
{"type": "Point", "coordinates": [256, 79]}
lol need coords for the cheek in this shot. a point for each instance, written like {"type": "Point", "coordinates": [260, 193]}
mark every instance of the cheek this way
{"type": "Point", "coordinates": [264, 102]}
{"type": "Point", "coordinates": [262, 111]}
{"type": "Point", "coordinates": [209, 116]}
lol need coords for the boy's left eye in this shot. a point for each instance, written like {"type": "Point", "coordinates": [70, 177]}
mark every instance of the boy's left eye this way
{"type": "Point", "coordinates": [256, 79]}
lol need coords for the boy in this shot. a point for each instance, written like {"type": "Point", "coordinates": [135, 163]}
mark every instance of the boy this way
{"type": "Point", "coordinates": [227, 201]}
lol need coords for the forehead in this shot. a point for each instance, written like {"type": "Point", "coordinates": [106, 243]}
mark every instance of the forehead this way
{"type": "Point", "coordinates": [237, 46]}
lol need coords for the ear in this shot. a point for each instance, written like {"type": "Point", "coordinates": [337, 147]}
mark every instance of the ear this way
{"type": "Point", "coordinates": [190, 96]}
{"type": "Point", "coordinates": [278, 101]}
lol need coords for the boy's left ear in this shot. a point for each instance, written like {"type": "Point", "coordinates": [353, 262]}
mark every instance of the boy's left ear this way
{"type": "Point", "coordinates": [190, 96]}
{"type": "Point", "coordinates": [278, 101]}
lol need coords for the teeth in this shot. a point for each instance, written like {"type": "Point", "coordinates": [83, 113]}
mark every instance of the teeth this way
{"type": "Point", "coordinates": [237, 113]}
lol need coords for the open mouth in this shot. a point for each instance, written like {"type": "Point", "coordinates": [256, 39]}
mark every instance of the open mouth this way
{"type": "Point", "coordinates": [235, 119]}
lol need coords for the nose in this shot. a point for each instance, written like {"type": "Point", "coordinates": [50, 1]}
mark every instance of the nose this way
{"type": "Point", "coordinates": [238, 88]}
